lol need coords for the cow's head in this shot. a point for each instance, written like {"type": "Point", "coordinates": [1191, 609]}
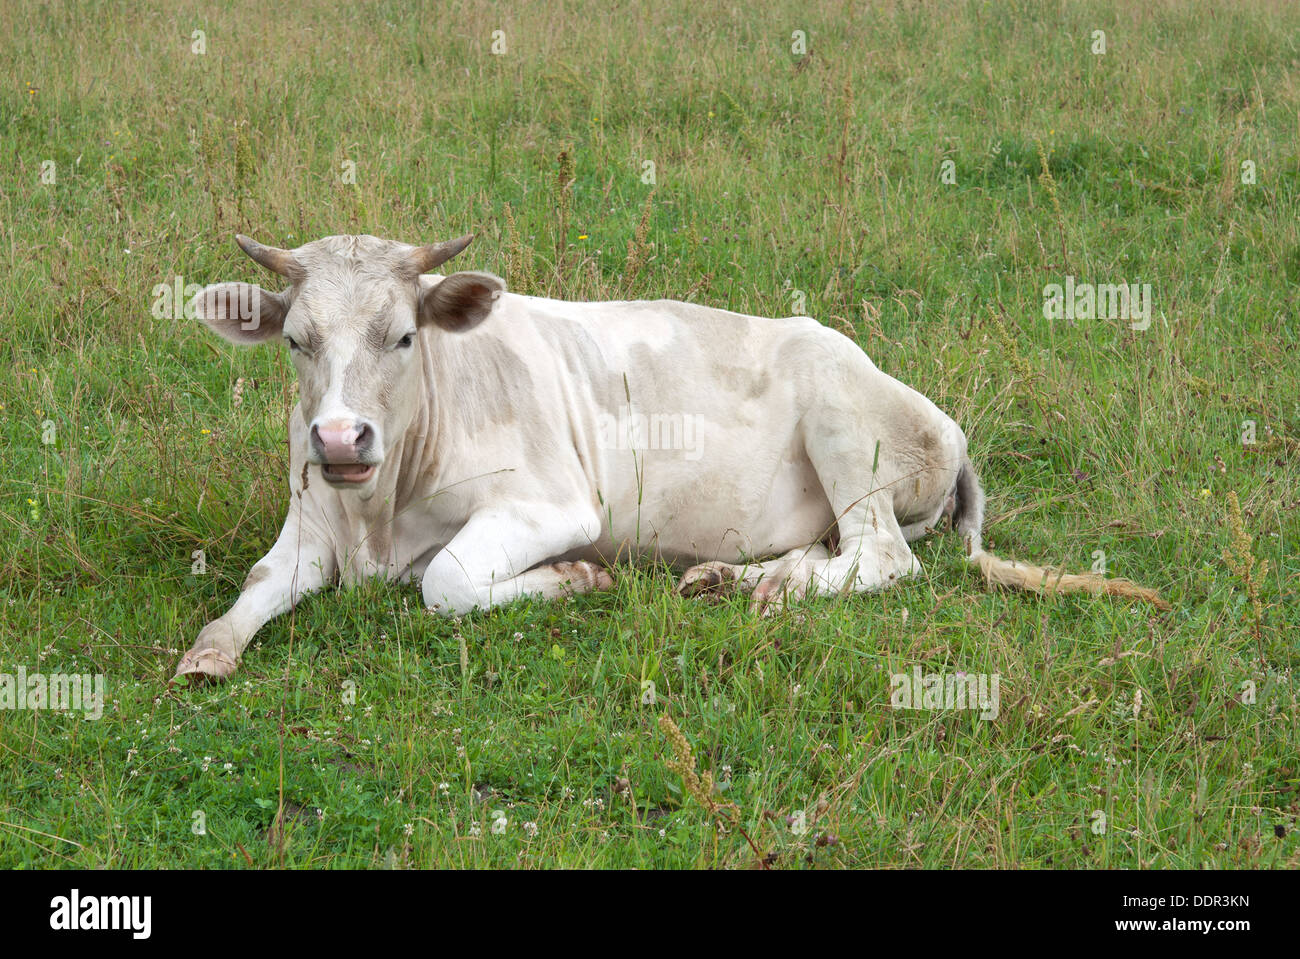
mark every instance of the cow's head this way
{"type": "Point", "coordinates": [355, 318]}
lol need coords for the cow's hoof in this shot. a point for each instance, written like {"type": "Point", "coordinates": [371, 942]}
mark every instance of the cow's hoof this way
{"type": "Point", "coordinates": [203, 665]}
{"type": "Point", "coordinates": [707, 579]}
{"type": "Point", "coordinates": [584, 577]}
{"type": "Point", "coordinates": [769, 597]}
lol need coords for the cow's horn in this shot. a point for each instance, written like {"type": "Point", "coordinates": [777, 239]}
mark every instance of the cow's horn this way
{"type": "Point", "coordinates": [426, 258]}
{"type": "Point", "coordinates": [273, 258]}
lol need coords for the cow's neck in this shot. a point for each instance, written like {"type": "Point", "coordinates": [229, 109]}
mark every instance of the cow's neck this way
{"type": "Point", "coordinates": [431, 453]}
{"type": "Point", "coordinates": [372, 524]}
{"type": "Point", "coordinates": [418, 456]}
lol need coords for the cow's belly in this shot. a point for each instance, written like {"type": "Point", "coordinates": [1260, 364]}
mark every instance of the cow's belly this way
{"type": "Point", "coordinates": [739, 503]}
{"type": "Point", "coordinates": [797, 511]}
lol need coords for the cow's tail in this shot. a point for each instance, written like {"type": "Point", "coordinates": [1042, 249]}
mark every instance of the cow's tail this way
{"type": "Point", "coordinates": [968, 519]}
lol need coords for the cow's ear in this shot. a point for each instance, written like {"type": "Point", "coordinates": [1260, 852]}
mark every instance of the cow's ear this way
{"type": "Point", "coordinates": [461, 301]}
{"type": "Point", "coordinates": [242, 313]}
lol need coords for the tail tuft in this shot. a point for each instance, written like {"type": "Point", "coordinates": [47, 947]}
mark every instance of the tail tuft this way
{"type": "Point", "coordinates": [968, 518]}
{"type": "Point", "coordinates": [1045, 579]}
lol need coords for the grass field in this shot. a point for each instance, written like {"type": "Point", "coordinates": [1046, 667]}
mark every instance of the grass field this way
{"type": "Point", "coordinates": [363, 732]}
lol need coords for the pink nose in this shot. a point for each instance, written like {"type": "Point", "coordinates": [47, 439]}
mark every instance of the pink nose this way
{"type": "Point", "coordinates": [338, 441]}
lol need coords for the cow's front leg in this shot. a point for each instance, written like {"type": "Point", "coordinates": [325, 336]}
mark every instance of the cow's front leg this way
{"type": "Point", "coordinates": [505, 553]}
{"type": "Point", "coordinates": [298, 564]}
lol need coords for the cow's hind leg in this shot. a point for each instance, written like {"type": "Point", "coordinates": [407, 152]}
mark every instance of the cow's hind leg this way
{"type": "Point", "coordinates": [788, 578]}
{"type": "Point", "coordinates": [872, 548]}
{"type": "Point", "coordinates": [719, 579]}
{"type": "Point", "coordinates": [872, 555]}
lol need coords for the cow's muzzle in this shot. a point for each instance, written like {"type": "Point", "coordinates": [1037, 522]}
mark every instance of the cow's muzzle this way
{"type": "Point", "coordinates": [342, 448]}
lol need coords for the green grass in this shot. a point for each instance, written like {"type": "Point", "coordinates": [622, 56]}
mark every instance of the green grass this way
{"type": "Point", "coordinates": [774, 174]}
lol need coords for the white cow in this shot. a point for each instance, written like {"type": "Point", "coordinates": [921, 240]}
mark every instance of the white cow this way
{"type": "Point", "coordinates": [495, 446]}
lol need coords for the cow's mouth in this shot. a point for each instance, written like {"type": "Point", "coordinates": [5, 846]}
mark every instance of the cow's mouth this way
{"type": "Point", "coordinates": [347, 472]}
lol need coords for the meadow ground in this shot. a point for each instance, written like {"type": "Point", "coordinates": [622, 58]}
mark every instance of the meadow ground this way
{"type": "Point", "coordinates": [694, 151]}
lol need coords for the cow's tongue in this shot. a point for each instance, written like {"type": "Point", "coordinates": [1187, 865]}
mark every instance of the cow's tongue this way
{"type": "Point", "coordinates": [348, 469]}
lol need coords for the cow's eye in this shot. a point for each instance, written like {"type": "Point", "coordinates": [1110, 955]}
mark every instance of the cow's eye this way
{"type": "Point", "coordinates": [293, 344]}
{"type": "Point", "coordinates": [406, 341]}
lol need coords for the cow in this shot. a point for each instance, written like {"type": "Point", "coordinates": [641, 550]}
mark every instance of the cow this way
{"type": "Point", "coordinates": [493, 446]}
